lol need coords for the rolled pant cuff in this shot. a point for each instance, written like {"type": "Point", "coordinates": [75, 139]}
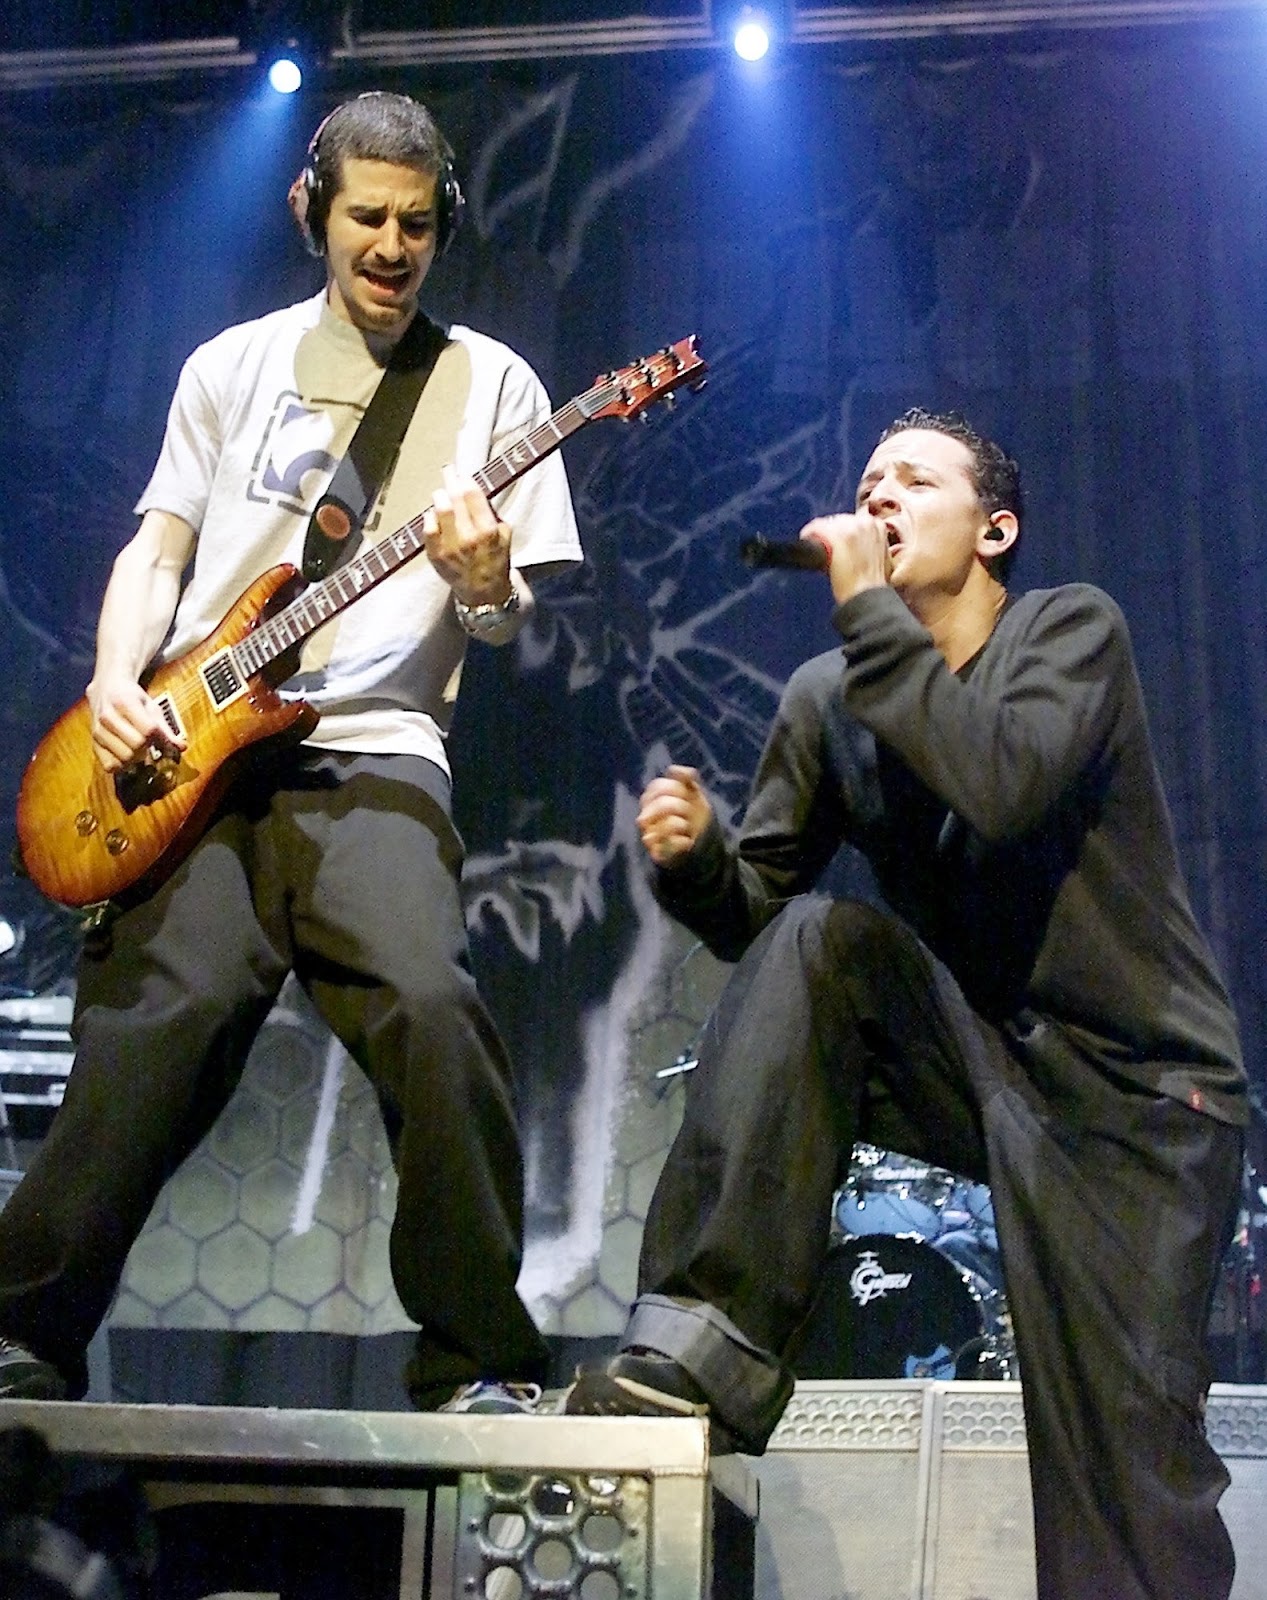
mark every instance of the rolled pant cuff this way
{"type": "Point", "coordinates": [747, 1387]}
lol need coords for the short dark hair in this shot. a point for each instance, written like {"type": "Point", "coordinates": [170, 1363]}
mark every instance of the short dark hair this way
{"type": "Point", "coordinates": [995, 475]}
{"type": "Point", "coordinates": [380, 126]}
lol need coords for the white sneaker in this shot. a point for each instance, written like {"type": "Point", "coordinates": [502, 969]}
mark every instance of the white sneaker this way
{"type": "Point", "coordinates": [492, 1397]}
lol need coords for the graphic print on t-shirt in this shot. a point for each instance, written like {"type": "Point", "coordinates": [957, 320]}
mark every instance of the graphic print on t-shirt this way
{"type": "Point", "coordinates": [300, 440]}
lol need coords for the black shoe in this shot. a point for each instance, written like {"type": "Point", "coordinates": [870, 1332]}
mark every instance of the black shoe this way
{"type": "Point", "coordinates": [24, 1376]}
{"type": "Point", "coordinates": [643, 1384]}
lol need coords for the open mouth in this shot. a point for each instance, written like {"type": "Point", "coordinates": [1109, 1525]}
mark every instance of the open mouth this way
{"type": "Point", "coordinates": [386, 283]}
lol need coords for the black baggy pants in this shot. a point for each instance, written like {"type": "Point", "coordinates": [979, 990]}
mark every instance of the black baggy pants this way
{"type": "Point", "coordinates": [1113, 1206]}
{"type": "Point", "coordinates": [345, 869]}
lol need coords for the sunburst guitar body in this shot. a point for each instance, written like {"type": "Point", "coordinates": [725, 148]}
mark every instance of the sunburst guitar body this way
{"type": "Point", "coordinates": [87, 835]}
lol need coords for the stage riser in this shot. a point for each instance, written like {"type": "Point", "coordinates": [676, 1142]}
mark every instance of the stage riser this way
{"type": "Point", "coordinates": [872, 1491]}
{"type": "Point", "coordinates": [322, 1505]}
{"type": "Point", "coordinates": [910, 1491]}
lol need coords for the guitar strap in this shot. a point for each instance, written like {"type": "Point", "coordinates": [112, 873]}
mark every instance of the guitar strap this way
{"type": "Point", "coordinates": [337, 521]}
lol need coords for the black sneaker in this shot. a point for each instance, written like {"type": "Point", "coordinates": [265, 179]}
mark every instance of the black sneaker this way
{"type": "Point", "coordinates": [24, 1376]}
{"type": "Point", "coordinates": [640, 1383]}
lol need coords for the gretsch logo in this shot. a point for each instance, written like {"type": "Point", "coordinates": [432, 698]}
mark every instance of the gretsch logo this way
{"type": "Point", "coordinates": [869, 1281]}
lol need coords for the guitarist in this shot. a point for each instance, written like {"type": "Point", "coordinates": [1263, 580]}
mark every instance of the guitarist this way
{"type": "Point", "coordinates": [336, 857]}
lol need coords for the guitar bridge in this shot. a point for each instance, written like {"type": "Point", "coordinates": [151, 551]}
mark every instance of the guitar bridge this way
{"type": "Point", "coordinates": [171, 716]}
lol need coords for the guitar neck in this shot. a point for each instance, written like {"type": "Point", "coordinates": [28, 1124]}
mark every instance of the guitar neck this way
{"type": "Point", "coordinates": [323, 601]}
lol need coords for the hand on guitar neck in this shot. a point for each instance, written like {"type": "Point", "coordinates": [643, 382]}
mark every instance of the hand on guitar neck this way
{"type": "Point", "coordinates": [467, 543]}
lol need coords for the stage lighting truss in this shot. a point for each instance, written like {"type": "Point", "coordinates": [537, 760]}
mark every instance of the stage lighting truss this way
{"type": "Point", "coordinates": [349, 37]}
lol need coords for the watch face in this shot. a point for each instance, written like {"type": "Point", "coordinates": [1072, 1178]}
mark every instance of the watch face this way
{"type": "Point", "coordinates": [484, 619]}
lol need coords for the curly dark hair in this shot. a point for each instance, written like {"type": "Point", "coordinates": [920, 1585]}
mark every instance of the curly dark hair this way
{"type": "Point", "coordinates": [995, 476]}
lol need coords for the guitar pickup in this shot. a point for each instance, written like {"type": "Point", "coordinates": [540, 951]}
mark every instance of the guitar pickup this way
{"type": "Point", "coordinates": [221, 678]}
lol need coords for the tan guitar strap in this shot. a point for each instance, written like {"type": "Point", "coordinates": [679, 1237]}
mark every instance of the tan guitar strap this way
{"type": "Point", "coordinates": [334, 529]}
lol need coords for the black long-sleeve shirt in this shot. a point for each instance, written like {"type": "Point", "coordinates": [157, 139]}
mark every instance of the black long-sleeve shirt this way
{"type": "Point", "coordinates": [1011, 813]}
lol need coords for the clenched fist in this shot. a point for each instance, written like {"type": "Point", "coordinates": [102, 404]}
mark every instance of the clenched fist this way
{"type": "Point", "coordinates": [673, 813]}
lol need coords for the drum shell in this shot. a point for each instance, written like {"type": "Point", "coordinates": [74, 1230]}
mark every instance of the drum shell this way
{"type": "Point", "coordinates": [890, 1307]}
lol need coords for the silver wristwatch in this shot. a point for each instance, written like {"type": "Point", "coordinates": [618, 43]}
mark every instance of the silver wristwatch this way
{"type": "Point", "coordinates": [480, 621]}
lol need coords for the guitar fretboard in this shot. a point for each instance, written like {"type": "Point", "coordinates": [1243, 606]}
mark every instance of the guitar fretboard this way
{"type": "Point", "coordinates": [322, 601]}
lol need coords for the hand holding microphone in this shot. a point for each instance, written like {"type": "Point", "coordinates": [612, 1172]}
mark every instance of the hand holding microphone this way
{"type": "Point", "coordinates": [853, 548]}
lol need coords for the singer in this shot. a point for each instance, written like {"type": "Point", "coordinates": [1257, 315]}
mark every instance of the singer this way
{"type": "Point", "coordinates": [1030, 1004]}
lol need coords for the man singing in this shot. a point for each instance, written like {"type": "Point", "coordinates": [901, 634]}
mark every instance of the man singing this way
{"type": "Point", "coordinates": [1029, 1002]}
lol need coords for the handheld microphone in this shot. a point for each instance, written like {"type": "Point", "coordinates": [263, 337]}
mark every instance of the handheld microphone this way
{"type": "Point", "coordinates": [803, 555]}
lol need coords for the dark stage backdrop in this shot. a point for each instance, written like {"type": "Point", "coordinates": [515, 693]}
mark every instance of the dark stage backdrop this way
{"type": "Point", "coordinates": [1069, 242]}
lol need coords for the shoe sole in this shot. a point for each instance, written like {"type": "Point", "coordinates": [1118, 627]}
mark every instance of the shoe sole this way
{"type": "Point", "coordinates": [601, 1394]}
{"type": "Point", "coordinates": [34, 1388]}
{"type": "Point", "coordinates": [485, 1411]}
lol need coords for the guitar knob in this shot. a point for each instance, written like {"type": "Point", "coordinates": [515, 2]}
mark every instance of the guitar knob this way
{"type": "Point", "coordinates": [85, 823]}
{"type": "Point", "coordinates": [116, 841]}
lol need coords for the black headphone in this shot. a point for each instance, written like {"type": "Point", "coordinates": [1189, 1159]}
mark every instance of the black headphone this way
{"type": "Point", "coordinates": [312, 193]}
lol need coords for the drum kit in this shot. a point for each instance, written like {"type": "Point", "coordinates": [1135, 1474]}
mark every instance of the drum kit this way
{"type": "Point", "coordinates": [913, 1284]}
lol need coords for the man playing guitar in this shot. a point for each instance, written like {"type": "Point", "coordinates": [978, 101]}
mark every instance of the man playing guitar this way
{"type": "Point", "coordinates": [334, 857]}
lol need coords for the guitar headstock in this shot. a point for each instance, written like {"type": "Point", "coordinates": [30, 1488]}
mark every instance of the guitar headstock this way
{"type": "Point", "coordinates": [629, 392]}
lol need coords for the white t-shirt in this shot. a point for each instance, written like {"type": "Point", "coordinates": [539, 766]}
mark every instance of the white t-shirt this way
{"type": "Point", "coordinates": [261, 416]}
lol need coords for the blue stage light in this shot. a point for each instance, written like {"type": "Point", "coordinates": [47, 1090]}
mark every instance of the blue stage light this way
{"type": "Point", "coordinates": [752, 35]}
{"type": "Point", "coordinates": [285, 75]}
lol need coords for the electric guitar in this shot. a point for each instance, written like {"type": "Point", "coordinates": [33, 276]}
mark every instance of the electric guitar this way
{"type": "Point", "coordinates": [87, 836]}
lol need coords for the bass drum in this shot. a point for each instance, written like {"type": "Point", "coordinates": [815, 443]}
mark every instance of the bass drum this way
{"type": "Point", "coordinates": [898, 1308]}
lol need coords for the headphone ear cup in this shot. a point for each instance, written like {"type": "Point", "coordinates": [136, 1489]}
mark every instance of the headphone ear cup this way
{"type": "Point", "coordinates": [303, 198]}
{"type": "Point", "coordinates": [309, 203]}
{"type": "Point", "coordinates": [450, 204]}
{"type": "Point", "coordinates": [318, 207]}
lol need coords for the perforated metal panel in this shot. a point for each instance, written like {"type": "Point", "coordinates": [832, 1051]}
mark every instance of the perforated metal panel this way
{"type": "Point", "coordinates": [920, 1491]}
{"type": "Point", "coordinates": [522, 1534]}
